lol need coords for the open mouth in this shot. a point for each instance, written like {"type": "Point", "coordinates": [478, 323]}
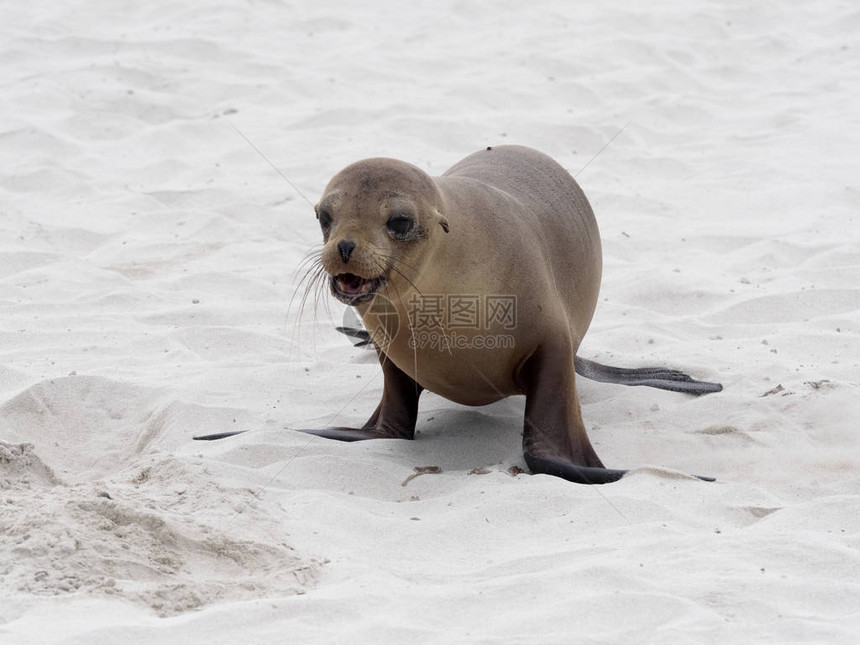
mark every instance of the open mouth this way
{"type": "Point", "coordinates": [352, 289]}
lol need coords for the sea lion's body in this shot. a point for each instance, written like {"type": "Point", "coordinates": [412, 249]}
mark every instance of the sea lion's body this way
{"type": "Point", "coordinates": [506, 224]}
{"type": "Point", "coordinates": [520, 227]}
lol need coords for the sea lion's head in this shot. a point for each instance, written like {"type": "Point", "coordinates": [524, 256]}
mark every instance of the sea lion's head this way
{"type": "Point", "coordinates": [377, 217]}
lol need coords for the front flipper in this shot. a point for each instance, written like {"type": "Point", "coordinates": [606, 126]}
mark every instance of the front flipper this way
{"type": "Point", "coordinates": [394, 417]}
{"type": "Point", "coordinates": [581, 474]}
{"type": "Point", "coordinates": [554, 437]}
{"type": "Point", "coordinates": [572, 472]}
{"type": "Point", "coordinates": [350, 434]}
{"type": "Point", "coordinates": [339, 434]}
{"type": "Point", "coordinates": [215, 436]}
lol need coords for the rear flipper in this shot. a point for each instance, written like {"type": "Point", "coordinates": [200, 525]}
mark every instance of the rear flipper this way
{"type": "Point", "coordinates": [659, 377]}
{"type": "Point", "coordinates": [361, 336]}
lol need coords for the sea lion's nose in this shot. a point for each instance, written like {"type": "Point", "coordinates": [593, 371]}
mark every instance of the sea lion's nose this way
{"type": "Point", "coordinates": [345, 248]}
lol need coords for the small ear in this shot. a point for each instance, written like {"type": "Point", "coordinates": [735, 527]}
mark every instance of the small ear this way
{"type": "Point", "coordinates": [443, 221]}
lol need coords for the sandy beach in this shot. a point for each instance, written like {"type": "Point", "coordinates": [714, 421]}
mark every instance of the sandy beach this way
{"type": "Point", "coordinates": [150, 268]}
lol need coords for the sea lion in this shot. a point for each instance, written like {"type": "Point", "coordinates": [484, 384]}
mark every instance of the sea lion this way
{"type": "Point", "coordinates": [504, 245]}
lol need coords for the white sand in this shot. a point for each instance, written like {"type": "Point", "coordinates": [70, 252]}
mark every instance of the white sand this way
{"type": "Point", "coordinates": [148, 256]}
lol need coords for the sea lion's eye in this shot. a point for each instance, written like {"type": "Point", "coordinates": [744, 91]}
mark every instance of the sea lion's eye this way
{"type": "Point", "coordinates": [399, 225]}
{"type": "Point", "coordinates": [325, 220]}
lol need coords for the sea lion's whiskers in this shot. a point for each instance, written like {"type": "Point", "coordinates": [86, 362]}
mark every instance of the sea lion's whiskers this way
{"type": "Point", "coordinates": [307, 267]}
{"type": "Point", "coordinates": [312, 275]}
{"type": "Point", "coordinates": [391, 266]}
{"type": "Point", "coordinates": [393, 258]}
{"type": "Point", "coordinates": [311, 258]}
{"type": "Point", "coordinates": [314, 281]}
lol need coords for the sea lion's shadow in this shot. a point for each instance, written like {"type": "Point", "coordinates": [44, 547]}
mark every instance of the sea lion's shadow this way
{"type": "Point", "coordinates": [459, 438]}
